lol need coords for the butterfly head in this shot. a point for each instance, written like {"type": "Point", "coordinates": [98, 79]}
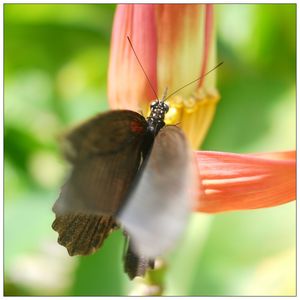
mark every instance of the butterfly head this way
{"type": "Point", "coordinates": [157, 115]}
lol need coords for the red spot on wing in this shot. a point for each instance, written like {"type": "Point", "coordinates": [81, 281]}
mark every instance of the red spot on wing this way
{"type": "Point", "coordinates": [136, 126]}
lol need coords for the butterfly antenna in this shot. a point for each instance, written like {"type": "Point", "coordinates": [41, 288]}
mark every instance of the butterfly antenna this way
{"type": "Point", "coordinates": [142, 68]}
{"type": "Point", "coordinates": [164, 95]}
{"type": "Point", "coordinates": [217, 66]}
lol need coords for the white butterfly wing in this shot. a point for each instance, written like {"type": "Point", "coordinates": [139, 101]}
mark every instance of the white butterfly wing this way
{"type": "Point", "coordinates": [158, 208]}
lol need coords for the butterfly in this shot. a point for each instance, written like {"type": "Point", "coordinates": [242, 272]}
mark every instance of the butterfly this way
{"type": "Point", "coordinates": [131, 172]}
{"type": "Point", "coordinates": [128, 171]}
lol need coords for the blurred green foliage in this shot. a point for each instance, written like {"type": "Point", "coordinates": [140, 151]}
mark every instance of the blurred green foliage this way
{"type": "Point", "coordinates": [56, 59]}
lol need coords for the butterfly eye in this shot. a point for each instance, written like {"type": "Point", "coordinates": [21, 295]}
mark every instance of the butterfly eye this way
{"type": "Point", "coordinates": [154, 104]}
{"type": "Point", "coordinates": [166, 107]}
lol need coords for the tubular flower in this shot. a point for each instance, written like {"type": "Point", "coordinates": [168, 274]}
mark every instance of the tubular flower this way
{"type": "Point", "coordinates": [237, 181]}
{"type": "Point", "coordinates": [176, 45]}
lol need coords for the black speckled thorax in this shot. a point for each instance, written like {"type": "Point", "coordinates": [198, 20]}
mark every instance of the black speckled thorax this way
{"type": "Point", "coordinates": [157, 116]}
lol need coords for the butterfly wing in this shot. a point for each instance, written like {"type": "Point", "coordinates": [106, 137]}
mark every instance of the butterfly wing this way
{"type": "Point", "coordinates": [105, 153]}
{"type": "Point", "coordinates": [157, 209]}
{"type": "Point", "coordinates": [135, 265]}
{"type": "Point", "coordinates": [83, 234]}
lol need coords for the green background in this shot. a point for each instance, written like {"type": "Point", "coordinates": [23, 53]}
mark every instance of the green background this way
{"type": "Point", "coordinates": [56, 60]}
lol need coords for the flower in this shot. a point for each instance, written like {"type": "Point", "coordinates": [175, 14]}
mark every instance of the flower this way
{"type": "Point", "coordinates": [180, 53]}
{"type": "Point", "coordinates": [231, 181]}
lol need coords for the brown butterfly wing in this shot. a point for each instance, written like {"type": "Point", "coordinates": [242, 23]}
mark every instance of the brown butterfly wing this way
{"type": "Point", "coordinates": [105, 133]}
{"type": "Point", "coordinates": [136, 265]}
{"type": "Point", "coordinates": [105, 153]}
{"type": "Point", "coordinates": [83, 234]}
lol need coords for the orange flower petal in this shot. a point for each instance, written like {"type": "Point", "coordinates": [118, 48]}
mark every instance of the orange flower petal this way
{"type": "Point", "coordinates": [184, 42]}
{"type": "Point", "coordinates": [287, 155]}
{"type": "Point", "coordinates": [208, 39]}
{"type": "Point", "coordinates": [238, 181]}
{"type": "Point", "coordinates": [127, 85]}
